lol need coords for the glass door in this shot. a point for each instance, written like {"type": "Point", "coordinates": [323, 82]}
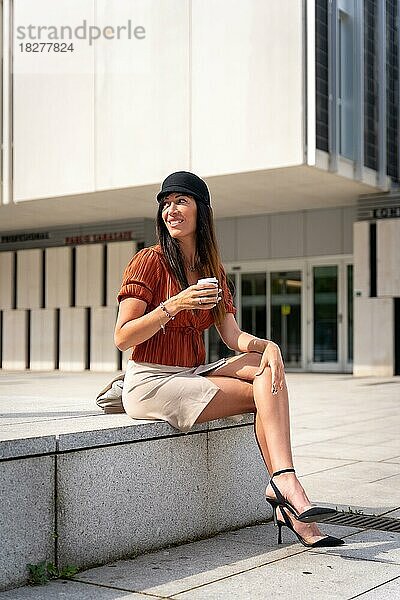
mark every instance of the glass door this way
{"type": "Point", "coordinates": [349, 329]}
{"type": "Point", "coordinates": [254, 303]}
{"type": "Point", "coordinates": [286, 321]}
{"type": "Point", "coordinates": [249, 294]}
{"type": "Point", "coordinates": [304, 306]}
{"type": "Point", "coordinates": [330, 316]}
{"type": "Point", "coordinates": [325, 312]}
{"type": "Point", "coordinates": [215, 347]}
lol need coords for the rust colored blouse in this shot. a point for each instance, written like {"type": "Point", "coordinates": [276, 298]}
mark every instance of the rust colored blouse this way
{"type": "Point", "coordinates": [148, 278]}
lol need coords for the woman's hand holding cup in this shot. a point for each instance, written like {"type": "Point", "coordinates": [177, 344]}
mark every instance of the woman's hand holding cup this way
{"type": "Point", "coordinates": [203, 295]}
{"type": "Point", "coordinates": [212, 293]}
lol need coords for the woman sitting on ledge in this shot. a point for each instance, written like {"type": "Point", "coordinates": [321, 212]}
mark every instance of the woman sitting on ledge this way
{"type": "Point", "coordinates": [163, 312]}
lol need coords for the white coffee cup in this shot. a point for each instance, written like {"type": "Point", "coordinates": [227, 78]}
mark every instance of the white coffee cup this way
{"type": "Point", "coordinates": [208, 280]}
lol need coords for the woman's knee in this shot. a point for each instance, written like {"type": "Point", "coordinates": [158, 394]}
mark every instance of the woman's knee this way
{"type": "Point", "coordinates": [265, 376]}
{"type": "Point", "coordinates": [244, 366]}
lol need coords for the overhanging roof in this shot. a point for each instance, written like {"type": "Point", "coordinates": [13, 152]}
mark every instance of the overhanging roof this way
{"type": "Point", "coordinates": [256, 192]}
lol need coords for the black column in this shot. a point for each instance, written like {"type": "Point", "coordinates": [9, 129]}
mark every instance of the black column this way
{"type": "Point", "coordinates": [372, 261]}
{"type": "Point", "coordinates": [397, 336]}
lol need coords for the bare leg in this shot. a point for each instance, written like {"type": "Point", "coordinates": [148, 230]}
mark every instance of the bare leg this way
{"type": "Point", "coordinates": [272, 412]}
{"type": "Point", "coordinates": [261, 441]}
{"type": "Point", "coordinates": [310, 532]}
{"type": "Point", "coordinates": [272, 425]}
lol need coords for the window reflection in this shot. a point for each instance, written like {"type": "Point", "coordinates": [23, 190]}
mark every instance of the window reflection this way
{"type": "Point", "coordinates": [286, 315]}
{"type": "Point", "coordinates": [325, 314]}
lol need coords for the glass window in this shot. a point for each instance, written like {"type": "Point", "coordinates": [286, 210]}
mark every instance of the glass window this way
{"type": "Point", "coordinates": [325, 313]}
{"type": "Point", "coordinates": [254, 305]}
{"type": "Point", "coordinates": [254, 311]}
{"type": "Point", "coordinates": [350, 313]}
{"type": "Point", "coordinates": [216, 347]}
{"type": "Point", "coordinates": [286, 315]}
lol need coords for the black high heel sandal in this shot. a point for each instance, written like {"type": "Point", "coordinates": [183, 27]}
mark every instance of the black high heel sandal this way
{"type": "Point", "coordinates": [316, 514]}
{"type": "Point", "coordinates": [325, 542]}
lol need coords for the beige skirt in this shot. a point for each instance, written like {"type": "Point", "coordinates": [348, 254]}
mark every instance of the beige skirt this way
{"type": "Point", "coordinates": [174, 394]}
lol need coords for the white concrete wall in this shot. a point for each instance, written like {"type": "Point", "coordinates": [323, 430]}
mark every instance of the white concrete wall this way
{"type": "Point", "coordinates": [103, 352]}
{"type": "Point", "coordinates": [247, 93]}
{"type": "Point", "coordinates": [6, 279]}
{"type": "Point", "coordinates": [118, 256]}
{"type": "Point", "coordinates": [388, 257]}
{"type": "Point", "coordinates": [43, 339]}
{"type": "Point", "coordinates": [374, 317]}
{"type": "Point", "coordinates": [373, 337]}
{"type": "Point", "coordinates": [29, 278]}
{"type": "Point", "coordinates": [14, 339]}
{"type": "Point", "coordinates": [215, 86]}
{"type": "Point", "coordinates": [58, 277]}
{"type": "Point", "coordinates": [89, 275]}
{"type": "Point", "coordinates": [89, 290]}
{"type": "Point", "coordinates": [142, 101]}
{"type": "Point", "coordinates": [73, 339]}
{"type": "Point", "coordinates": [54, 131]}
{"type": "Point", "coordinates": [302, 233]}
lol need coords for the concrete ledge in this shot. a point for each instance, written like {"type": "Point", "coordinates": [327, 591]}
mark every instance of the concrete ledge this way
{"type": "Point", "coordinates": [106, 487]}
{"type": "Point", "coordinates": [24, 447]}
{"type": "Point", "coordinates": [27, 516]}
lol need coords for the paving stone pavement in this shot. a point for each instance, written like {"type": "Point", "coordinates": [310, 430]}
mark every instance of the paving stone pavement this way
{"type": "Point", "coordinates": [346, 443]}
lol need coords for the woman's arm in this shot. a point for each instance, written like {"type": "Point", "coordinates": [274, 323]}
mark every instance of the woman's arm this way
{"type": "Point", "coordinates": [240, 341]}
{"type": "Point", "coordinates": [133, 327]}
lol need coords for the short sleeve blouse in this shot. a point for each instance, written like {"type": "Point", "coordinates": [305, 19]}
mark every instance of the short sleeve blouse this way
{"type": "Point", "coordinates": [141, 276]}
{"type": "Point", "coordinates": [147, 277]}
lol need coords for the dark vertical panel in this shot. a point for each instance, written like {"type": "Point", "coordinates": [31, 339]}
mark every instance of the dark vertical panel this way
{"type": "Point", "coordinates": [14, 280]}
{"type": "Point", "coordinates": [57, 339]}
{"type": "Point", "coordinates": [73, 276]}
{"type": "Point", "coordinates": [43, 290]}
{"type": "Point", "coordinates": [370, 85]}
{"type": "Point", "coordinates": [28, 339]}
{"type": "Point", "coordinates": [333, 80]}
{"type": "Point", "coordinates": [1, 339]}
{"type": "Point", "coordinates": [87, 336]}
{"type": "Point", "coordinates": [372, 260]}
{"type": "Point", "coordinates": [105, 264]}
{"type": "Point", "coordinates": [392, 88]}
{"type": "Point", "coordinates": [397, 336]}
{"type": "Point", "coordinates": [359, 88]}
{"type": "Point", "coordinates": [382, 79]}
{"type": "Point", "coordinates": [350, 314]}
{"type": "Point", "coordinates": [321, 73]}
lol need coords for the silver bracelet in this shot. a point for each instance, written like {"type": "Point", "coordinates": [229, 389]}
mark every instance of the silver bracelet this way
{"type": "Point", "coordinates": [162, 325]}
{"type": "Point", "coordinates": [166, 312]}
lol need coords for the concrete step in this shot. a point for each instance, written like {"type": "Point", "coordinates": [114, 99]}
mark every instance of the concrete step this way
{"type": "Point", "coordinates": [87, 490]}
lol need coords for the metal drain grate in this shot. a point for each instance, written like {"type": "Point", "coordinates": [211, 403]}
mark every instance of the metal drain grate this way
{"type": "Point", "coordinates": [365, 522]}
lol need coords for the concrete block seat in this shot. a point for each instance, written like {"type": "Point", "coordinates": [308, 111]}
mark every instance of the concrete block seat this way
{"type": "Point", "coordinates": [80, 487]}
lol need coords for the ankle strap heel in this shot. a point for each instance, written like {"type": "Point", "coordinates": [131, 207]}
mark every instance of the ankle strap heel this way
{"type": "Point", "coordinates": [291, 470]}
{"type": "Point", "coordinates": [311, 515]}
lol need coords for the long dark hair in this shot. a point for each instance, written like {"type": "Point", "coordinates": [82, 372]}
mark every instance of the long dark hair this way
{"type": "Point", "coordinates": [207, 253]}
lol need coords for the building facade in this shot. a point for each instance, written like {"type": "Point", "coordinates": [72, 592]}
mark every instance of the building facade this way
{"type": "Point", "coordinates": [289, 110]}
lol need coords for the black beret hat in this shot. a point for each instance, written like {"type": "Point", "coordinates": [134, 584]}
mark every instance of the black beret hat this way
{"type": "Point", "coordinates": [187, 183]}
